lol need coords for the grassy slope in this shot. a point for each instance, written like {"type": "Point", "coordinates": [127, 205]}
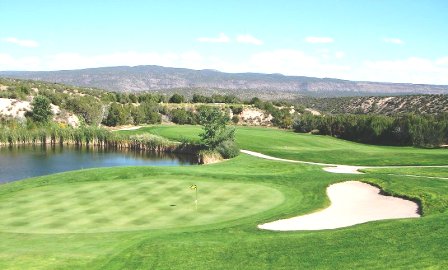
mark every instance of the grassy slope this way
{"type": "Point", "coordinates": [238, 244]}
{"type": "Point", "coordinates": [431, 172]}
{"type": "Point", "coordinates": [290, 145]}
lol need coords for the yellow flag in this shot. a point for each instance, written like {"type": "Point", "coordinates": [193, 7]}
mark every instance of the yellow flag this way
{"type": "Point", "coordinates": [194, 187]}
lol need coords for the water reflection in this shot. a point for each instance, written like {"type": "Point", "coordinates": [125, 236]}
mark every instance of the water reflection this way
{"type": "Point", "coordinates": [19, 162]}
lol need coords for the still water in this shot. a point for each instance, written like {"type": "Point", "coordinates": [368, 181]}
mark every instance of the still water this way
{"type": "Point", "coordinates": [19, 162]}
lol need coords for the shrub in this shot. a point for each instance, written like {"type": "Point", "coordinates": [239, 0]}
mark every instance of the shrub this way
{"type": "Point", "coordinates": [236, 109]}
{"type": "Point", "coordinates": [182, 117]}
{"type": "Point", "coordinates": [235, 119]}
{"type": "Point", "coordinates": [228, 149]}
{"type": "Point", "coordinates": [41, 112]}
{"type": "Point", "coordinates": [176, 98]}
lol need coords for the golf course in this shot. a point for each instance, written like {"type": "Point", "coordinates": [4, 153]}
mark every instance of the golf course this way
{"type": "Point", "coordinates": [147, 217]}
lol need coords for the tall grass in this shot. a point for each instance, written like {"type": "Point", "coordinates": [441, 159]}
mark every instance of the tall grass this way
{"type": "Point", "coordinates": [89, 136]}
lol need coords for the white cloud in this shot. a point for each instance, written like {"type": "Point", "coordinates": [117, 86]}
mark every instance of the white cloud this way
{"type": "Point", "coordinates": [294, 62]}
{"type": "Point", "coordinates": [319, 39]}
{"type": "Point", "coordinates": [411, 70]}
{"type": "Point", "coordinates": [442, 61]}
{"type": "Point", "coordinates": [393, 40]}
{"type": "Point", "coordinates": [8, 62]}
{"type": "Point", "coordinates": [190, 59]}
{"type": "Point", "coordinates": [22, 42]}
{"type": "Point", "coordinates": [249, 39]}
{"type": "Point", "coordinates": [222, 38]}
{"type": "Point", "coordinates": [285, 61]}
{"type": "Point", "coordinates": [339, 55]}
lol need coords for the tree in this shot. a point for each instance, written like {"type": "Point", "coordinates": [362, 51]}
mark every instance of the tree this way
{"type": "Point", "coordinates": [213, 122]}
{"type": "Point", "coordinates": [138, 115]}
{"type": "Point", "coordinates": [90, 109]}
{"type": "Point", "coordinates": [176, 98]}
{"type": "Point", "coordinates": [201, 99]}
{"type": "Point", "coordinates": [41, 111]}
{"type": "Point", "coordinates": [182, 116]}
{"type": "Point", "coordinates": [151, 111]}
{"type": "Point", "coordinates": [117, 115]}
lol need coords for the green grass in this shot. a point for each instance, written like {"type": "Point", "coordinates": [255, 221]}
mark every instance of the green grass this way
{"type": "Point", "coordinates": [290, 145]}
{"type": "Point", "coordinates": [137, 204]}
{"type": "Point", "coordinates": [431, 172]}
{"type": "Point", "coordinates": [271, 190]}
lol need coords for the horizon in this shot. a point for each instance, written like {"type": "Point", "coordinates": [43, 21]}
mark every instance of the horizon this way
{"type": "Point", "coordinates": [376, 41]}
{"type": "Point", "coordinates": [206, 69]}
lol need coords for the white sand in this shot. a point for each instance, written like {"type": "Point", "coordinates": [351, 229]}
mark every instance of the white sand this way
{"type": "Point", "coordinates": [352, 202]}
{"type": "Point", "coordinates": [128, 128]}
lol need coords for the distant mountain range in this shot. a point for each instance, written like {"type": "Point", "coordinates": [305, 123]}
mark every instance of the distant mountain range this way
{"type": "Point", "coordinates": [167, 79]}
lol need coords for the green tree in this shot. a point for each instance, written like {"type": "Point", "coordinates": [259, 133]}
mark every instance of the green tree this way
{"type": "Point", "coordinates": [41, 111]}
{"type": "Point", "coordinates": [151, 112]}
{"type": "Point", "coordinates": [182, 116]}
{"type": "Point", "coordinates": [201, 99]}
{"type": "Point", "coordinates": [176, 98]}
{"type": "Point", "coordinates": [215, 129]}
{"type": "Point", "coordinates": [117, 115]}
{"type": "Point", "coordinates": [138, 115]}
{"type": "Point", "coordinates": [90, 109]}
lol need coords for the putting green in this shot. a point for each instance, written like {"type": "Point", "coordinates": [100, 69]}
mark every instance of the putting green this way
{"type": "Point", "coordinates": [125, 205]}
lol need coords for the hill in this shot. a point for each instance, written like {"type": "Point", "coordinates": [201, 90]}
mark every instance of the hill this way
{"type": "Point", "coordinates": [388, 105]}
{"type": "Point", "coordinates": [187, 81]}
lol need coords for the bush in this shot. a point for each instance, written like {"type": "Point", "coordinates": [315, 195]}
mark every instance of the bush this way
{"type": "Point", "coordinates": [41, 112]}
{"type": "Point", "coordinates": [176, 98]}
{"type": "Point", "coordinates": [236, 109]}
{"type": "Point", "coordinates": [228, 149]}
{"type": "Point", "coordinates": [182, 117]}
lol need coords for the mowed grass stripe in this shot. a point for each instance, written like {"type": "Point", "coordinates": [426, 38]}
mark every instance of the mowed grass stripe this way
{"type": "Point", "coordinates": [133, 205]}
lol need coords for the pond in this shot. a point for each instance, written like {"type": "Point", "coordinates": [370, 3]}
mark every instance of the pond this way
{"type": "Point", "coordinates": [19, 162]}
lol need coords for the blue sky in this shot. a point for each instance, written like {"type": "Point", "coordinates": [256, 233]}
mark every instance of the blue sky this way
{"type": "Point", "coordinates": [378, 40]}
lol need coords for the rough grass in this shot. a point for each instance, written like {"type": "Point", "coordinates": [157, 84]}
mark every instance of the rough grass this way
{"type": "Point", "coordinates": [431, 172]}
{"type": "Point", "coordinates": [229, 243]}
{"type": "Point", "coordinates": [316, 148]}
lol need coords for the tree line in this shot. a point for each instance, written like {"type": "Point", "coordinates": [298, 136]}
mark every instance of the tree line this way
{"type": "Point", "coordinates": [406, 129]}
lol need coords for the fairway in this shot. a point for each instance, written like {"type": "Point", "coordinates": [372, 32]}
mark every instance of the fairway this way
{"type": "Point", "coordinates": [145, 217]}
{"type": "Point", "coordinates": [314, 148]}
{"type": "Point", "coordinates": [429, 172]}
{"type": "Point", "coordinates": [131, 205]}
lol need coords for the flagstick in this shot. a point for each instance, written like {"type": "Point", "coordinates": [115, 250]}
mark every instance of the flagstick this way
{"type": "Point", "coordinates": [196, 201]}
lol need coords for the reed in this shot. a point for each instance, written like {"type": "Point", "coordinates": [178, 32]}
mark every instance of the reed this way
{"type": "Point", "coordinates": [90, 136]}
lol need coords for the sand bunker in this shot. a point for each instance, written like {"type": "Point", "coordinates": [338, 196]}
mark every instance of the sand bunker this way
{"type": "Point", "coordinates": [352, 202]}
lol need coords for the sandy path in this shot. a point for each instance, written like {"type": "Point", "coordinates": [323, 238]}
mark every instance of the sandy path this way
{"type": "Point", "coordinates": [128, 128]}
{"type": "Point", "coordinates": [260, 155]}
{"type": "Point", "coordinates": [352, 202]}
{"type": "Point", "coordinates": [339, 168]}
